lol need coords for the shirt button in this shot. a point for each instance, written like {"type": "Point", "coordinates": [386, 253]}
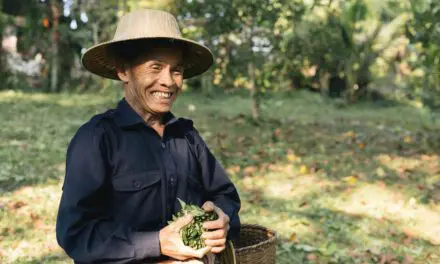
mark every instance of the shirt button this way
{"type": "Point", "coordinates": [136, 184]}
{"type": "Point", "coordinates": [163, 145]}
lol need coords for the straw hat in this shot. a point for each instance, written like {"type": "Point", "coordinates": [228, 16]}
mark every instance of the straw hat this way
{"type": "Point", "coordinates": [141, 25]}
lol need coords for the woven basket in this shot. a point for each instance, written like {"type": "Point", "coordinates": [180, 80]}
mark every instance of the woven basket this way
{"type": "Point", "coordinates": [255, 245]}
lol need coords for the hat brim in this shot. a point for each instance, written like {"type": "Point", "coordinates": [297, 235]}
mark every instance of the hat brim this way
{"type": "Point", "coordinates": [97, 59]}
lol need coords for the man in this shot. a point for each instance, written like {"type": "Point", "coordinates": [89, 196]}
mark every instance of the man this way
{"type": "Point", "coordinates": [126, 167]}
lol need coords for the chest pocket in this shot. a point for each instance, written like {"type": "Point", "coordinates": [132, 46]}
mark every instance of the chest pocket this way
{"type": "Point", "coordinates": [136, 181]}
{"type": "Point", "coordinates": [137, 198]}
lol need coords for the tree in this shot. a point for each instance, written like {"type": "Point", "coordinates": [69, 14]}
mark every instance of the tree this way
{"type": "Point", "coordinates": [240, 33]}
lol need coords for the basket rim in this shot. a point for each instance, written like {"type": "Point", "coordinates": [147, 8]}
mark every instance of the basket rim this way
{"type": "Point", "coordinates": [270, 240]}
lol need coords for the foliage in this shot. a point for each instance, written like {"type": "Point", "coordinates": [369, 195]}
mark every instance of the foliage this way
{"type": "Point", "coordinates": [424, 53]}
{"type": "Point", "coordinates": [192, 233]}
{"type": "Point", "coordinates": [348, 49]}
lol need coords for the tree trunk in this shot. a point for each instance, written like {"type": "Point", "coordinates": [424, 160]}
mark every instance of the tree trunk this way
{"type": "Point", "coordinates": [254, 91]}
{"type": "Point", "coordinates": [55, 10]}
{"type": "Point", "coordinates": [95, 33]}
{"type": "Point", "coordinates": [207, 86]}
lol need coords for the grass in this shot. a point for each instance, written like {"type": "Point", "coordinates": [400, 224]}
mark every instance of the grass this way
{"type": "Point", "coordinates": [358, 184]}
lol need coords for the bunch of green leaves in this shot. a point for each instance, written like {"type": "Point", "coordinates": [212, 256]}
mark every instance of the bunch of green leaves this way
{"type": "Point", "coordinates": [191, 233]}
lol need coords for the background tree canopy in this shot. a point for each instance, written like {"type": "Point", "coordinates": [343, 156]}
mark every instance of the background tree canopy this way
{"type": "Point", "coordinates": [353, 49]}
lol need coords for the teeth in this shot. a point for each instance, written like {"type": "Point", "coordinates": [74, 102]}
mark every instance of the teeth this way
{"type": "Point", "coordinates": [162, 95]}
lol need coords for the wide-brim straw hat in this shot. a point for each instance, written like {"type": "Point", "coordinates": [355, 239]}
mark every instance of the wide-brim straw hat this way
{"type": "Point", "coordinates": [147, 24]}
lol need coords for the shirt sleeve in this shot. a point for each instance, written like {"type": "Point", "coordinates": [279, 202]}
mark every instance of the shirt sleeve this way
{"type": "Point", "coordinates": [220, 189]}
{"type": "Point", "coordinates": [85, 229]}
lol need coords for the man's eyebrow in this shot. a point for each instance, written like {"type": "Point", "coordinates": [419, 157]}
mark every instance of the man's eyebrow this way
{"type": "Point", "coordinates": [179, 64]}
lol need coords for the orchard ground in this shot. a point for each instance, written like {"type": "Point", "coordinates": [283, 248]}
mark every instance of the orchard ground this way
{"type": "Point", "coordinates": [356, 184]}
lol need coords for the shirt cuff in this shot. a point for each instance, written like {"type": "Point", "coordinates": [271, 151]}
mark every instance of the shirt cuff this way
{"type": "Point", "coordinates": [146, 244]}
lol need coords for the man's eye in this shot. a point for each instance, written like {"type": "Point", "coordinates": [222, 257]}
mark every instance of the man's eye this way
{"type": "Point", "coordinates": [156, 67]}
{"type": "Point", "coordinates": [178, 70]}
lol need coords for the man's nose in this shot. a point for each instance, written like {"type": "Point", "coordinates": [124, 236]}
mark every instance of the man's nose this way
{"type": "Point", "coordinates": [166, 78]}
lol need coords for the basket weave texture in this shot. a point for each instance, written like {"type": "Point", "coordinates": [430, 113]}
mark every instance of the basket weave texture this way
{"type": "Point", "coordinates": [255, 245]}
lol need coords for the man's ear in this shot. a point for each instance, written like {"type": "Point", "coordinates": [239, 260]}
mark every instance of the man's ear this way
{"type": "Point", "coordinates": [122, 71]}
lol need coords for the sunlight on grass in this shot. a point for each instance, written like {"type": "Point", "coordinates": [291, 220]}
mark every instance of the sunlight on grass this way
{"type": "Point", "coordinates": [27, 226]}
{"type": "Point", "coordinates": [382, 203]}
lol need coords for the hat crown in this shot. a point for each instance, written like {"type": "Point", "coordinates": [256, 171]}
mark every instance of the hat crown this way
{"type": "Point", "coordinates": [147, 23]}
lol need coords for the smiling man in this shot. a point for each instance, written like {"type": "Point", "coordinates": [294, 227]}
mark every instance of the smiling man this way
{"type": "Point", "coordinates": [126, 167]}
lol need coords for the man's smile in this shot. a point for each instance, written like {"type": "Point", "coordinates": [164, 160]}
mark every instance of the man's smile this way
{"type": "Point", "coordinates": [162, 95]}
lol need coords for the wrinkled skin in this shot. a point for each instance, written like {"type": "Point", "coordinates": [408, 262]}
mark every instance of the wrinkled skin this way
{"type": "Point", "coordinates": [160, 70]}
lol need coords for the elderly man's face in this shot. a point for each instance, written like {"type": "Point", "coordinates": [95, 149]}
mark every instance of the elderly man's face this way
{"type": "Point", "coordinates": [154, 80]}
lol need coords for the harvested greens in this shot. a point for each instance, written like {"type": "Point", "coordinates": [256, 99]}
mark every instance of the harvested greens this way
{"type": "Point", "coordinates": [191, 233]}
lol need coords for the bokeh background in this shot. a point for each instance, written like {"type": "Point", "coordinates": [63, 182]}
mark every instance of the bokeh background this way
{"type": "Point", "coordinates": [324, 113]}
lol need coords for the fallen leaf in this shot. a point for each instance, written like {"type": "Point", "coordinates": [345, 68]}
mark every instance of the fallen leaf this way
{"type": "Point", "coordinates": [303, 169]}
{"type": "Point", "coordinates": [233, 169]}
{"type": "Point", "coordinates": [17, 205]}
{"type": "Point", "coordinates": [407, 241]}
{"type": "Point", "coordinates": [35, 216]}
{"type": "Point", "coordinates": [292, 157]}
{"type": "Point", "coordinates": [408, 139]}
{"type": "Point", "coordinates": [352, 180]}
{"type": "Point", "coordinates": [349, 134]}
{"type": "Point", "coordinates": [293, 237]}
{"type": "Point", "coordinates": [303, 204]}
{"type": "Point", "coordinates": [250, 170]}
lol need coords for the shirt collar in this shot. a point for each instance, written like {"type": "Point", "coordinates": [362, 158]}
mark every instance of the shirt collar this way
{"type": "Point", "coordinates": [126, 116]}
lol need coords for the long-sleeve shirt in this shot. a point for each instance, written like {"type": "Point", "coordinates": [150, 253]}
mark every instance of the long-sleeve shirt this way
{"type": "Point", "coordinates": [122, 183]}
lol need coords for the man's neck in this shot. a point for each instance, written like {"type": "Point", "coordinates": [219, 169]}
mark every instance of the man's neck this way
{"type": "Point", "coordinates": [151, 119]}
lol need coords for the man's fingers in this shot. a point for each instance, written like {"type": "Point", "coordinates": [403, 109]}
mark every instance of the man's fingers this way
{"type": "Point", "coordinates": [217, 234]}
{"type": "Point", "coordinates": [222, 222]}
{"type": "Point", "coordinates": [208, 206]}
{"type": "Point", "coordinates": [215, 242]}
{"type": "Point", "coordinates": [183, 221]}
{"type": "Point", "coordinates": [217, 250]}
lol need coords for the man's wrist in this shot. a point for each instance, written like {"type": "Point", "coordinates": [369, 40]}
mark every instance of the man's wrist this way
{"type": "Point", "coordinates": [146, 244]}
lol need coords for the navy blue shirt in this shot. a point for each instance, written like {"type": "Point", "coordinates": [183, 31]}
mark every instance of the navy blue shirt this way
{"type": "Point", "coordinates": [122, 183]}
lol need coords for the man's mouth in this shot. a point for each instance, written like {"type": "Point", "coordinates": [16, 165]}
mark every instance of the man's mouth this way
{"type": "Point", "coordinates": [162, 95]}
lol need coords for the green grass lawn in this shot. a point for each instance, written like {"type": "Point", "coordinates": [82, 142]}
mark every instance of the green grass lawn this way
{"type": "Point", "coordinates": [358, 184]}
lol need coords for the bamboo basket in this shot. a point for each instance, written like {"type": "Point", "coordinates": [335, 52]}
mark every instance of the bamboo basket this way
{"type": "Point", "coordinates": [255, 245]}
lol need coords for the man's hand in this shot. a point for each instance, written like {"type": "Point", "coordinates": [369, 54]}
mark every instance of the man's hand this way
{"type": "Point", "coordinates": [218, 229]}
{"type": "Point", "coordinates": [171, 243]}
